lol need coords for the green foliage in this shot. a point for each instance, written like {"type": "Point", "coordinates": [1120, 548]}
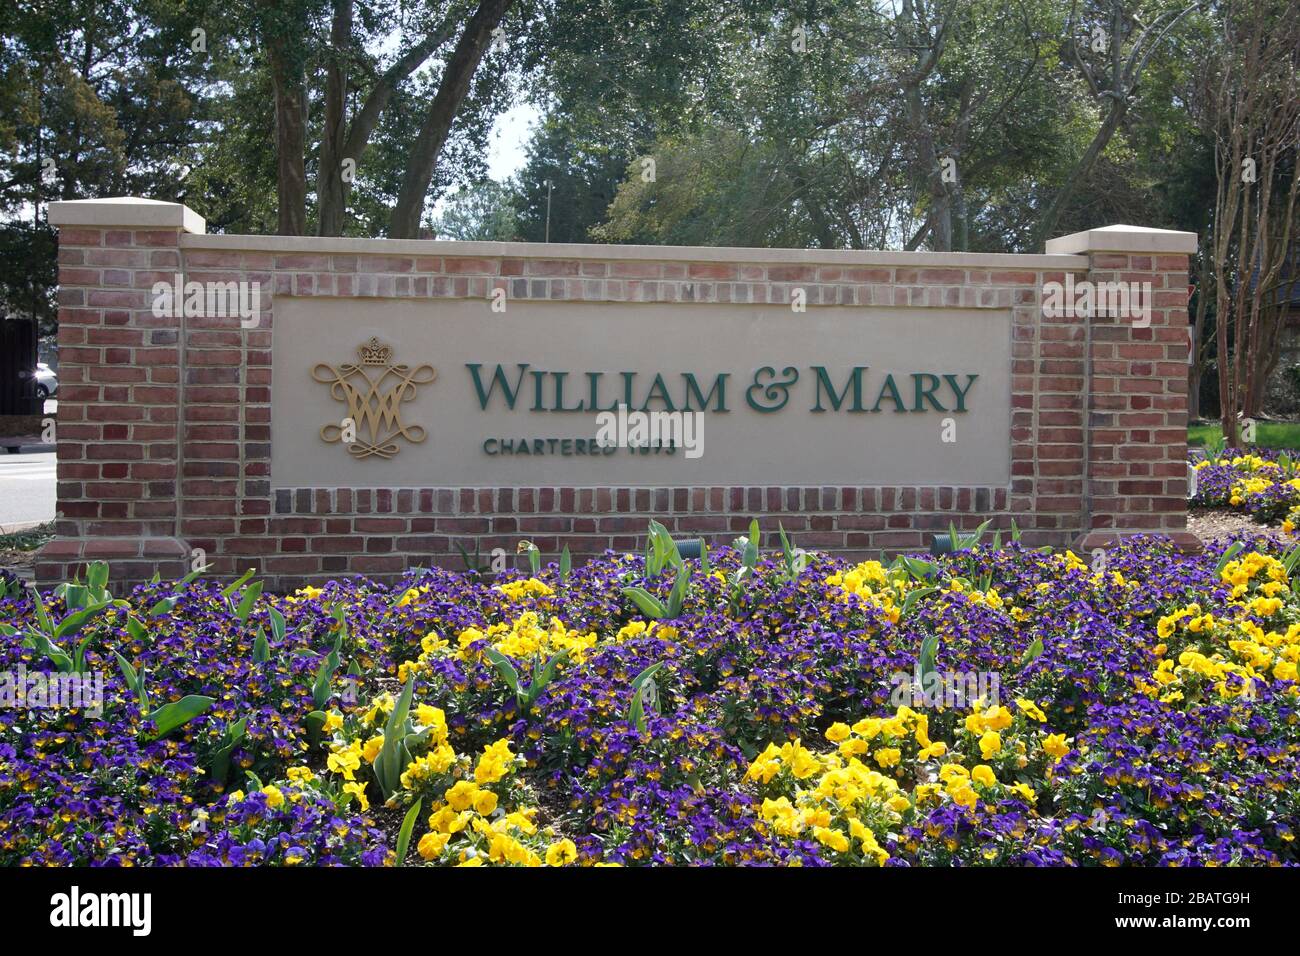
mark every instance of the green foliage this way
{"type": "Point", "coordinates": [408, 827]}
{"type": "Point", "coordinates": [395, 755]}
{"type": "Point", "coordinates": [543, 673]}
{"type": "Point", "coordinates": [170, 716]}
{"type": "Point", "coordinates": [636, 709]}
{"type": "Point", "coordinates": [482, 212]}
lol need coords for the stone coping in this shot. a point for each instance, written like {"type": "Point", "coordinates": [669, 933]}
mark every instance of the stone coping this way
{"type": "Point", "coordinates": [561, 250]}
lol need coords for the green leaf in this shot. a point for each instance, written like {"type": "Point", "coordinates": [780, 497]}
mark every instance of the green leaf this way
{"type": "Point", "coordinates": [192, 575]}
{"type": "Point", "coordinates": [134, 680]}
{"type": "Point", "coordinates": [261, 648]}
{"type": "Point", "coordinates": [79, 658]}
{"type": "Point", "coordinates": [320, 691]}
{"type": "Point", "coordinates": [913, 596]}
{"type": "Point", "coordinates": [75, 596]}
{"type": "Point", "coordinates": [504, 668]}
{"type": "Point", "coordinates": [389, 764]}
{"type": "Point", "coordinates": [681, 587]}
{"type": "Point", "coordinates": [647, 603]}
{"type": "Point", "coordinates": [704, 558]}
{"type": "Point", "coordinates": [97, 575]}
{"type": "Point", "coordinates": [566, 563]}
{"type": "Point", "coordinates": [163, 607]}
{"type": "Point", "coordinates": [404, 835]}
{"type": "Point", "coordinates": [918, 569]}
{"type": "Point", "coordinates": [232, 588]}
{"type": "Point", "coordinates": [541, 679]}
{"type": "Point", "coordinates": [73, 622]}
{"type": "Point", "coordinates": [1032, 653]}
{"type": "Point", "coordinates": [1227, 557]}
{"type": "Point", "coordinates": [925, 658]}
{"type": "Point", "coordinates": [170, 716]}
{"type": "Point", "coordinates": [128, 673]}
{"type": "Point", "coordinates": [277, 625]}
{"type": "Point", "coordinates": [42, 616]}
{"type": "Point", "coordinates": [636, 709]}
{"type": "Point", "coordinates": [247, 600]}
{"type": "Point", "coordinates": [136, 629]}
{"type": "Point", "coordinates": [315, 724]}
{"type": "Point", "coordinates": [220, 764]}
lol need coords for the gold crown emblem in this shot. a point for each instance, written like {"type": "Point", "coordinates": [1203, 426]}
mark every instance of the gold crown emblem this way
{"type": "Point", "coordinates": [375, 353]}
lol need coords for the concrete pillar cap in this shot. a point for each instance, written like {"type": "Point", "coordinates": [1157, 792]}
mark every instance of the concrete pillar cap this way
{"type": "Point", "coordinates": [126, 211]}
{"type": "Point", "coordinates": [1121, 238]}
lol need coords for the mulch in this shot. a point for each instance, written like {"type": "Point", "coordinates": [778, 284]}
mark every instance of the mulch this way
{"type": "Point", "coordinates": [1212, 525]}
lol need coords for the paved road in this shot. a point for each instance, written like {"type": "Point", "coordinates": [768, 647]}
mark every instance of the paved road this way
{"type": "Point", "coordinates": [26, 490]}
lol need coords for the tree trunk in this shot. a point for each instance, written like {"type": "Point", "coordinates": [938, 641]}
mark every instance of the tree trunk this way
{"type": "Point", "coordinates": [331, 198]}
{"type": "Point", "coordinates": [290, 91]}
{"type": "Point", "coordinates": [446, 103]}
{"type": "Point", "coordinates": [1196, 358]}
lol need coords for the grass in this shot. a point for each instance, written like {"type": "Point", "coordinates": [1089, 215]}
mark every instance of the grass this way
{"type": "Point", "coordinates": [1267, 435]}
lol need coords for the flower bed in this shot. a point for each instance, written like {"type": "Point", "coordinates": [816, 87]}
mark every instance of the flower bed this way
{"type": "Point", "coordinates": [1262, 484]}
{"type": "Point", "coordinates": [740, 709]}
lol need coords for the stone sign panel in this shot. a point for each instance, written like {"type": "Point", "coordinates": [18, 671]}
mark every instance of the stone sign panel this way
{"type": "Point", "coordinates": [450, 394]}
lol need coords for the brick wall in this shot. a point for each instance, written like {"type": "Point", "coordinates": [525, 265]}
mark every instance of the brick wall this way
{"type": "Point", "coordinates": [164, 424]}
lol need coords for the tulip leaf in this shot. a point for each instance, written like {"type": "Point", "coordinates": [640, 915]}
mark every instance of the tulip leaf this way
{"type": "Point", "coordinates": [246, 601]}
{"type": "Point", "coordinates": [504, 668]}
{"type": "Point", "coordinates": [170, 716]}
{"type": "Point", "coordinates": [404, 835]}
{"type": "Point", "coordinates": [389, 764]}
{"type": "Point", "coordinates": [647, 603]}
{"type": "Point", "coordinates": [230, 589]}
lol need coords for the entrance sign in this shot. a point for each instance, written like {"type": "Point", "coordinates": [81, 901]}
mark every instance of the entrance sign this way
{"type": "Point", "coordinates": [844, 395]}
{"type": "Point", "coordinates": [374, 404]}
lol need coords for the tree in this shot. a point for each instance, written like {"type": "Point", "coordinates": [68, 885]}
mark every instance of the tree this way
{"type": "Point", "coordinates": [1252, 100]}
{"type": "Point", "coordinates": [102, 99]}
{"type": "Point", "coordinates": [1111, 57]}
{"type": "Point", "coordinates": [485, 212]}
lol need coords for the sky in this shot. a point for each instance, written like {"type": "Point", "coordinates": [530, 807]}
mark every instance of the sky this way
{"type": "Point", "coordinates": [508, 140]}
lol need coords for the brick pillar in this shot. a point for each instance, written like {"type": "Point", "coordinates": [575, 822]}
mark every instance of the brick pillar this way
{"type": "Point", "coordinates": [1135, 387]}
{"type": "Point", "coordinates": [119, 390]}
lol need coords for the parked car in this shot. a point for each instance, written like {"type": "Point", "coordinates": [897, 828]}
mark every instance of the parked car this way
{"type": "Point", "coordinates": [47, 382]}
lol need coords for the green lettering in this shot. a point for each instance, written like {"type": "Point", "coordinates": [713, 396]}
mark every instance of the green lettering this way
{"type": "Point", "coordinates": [660, 391]}
{"type": "Point", "coordinates": [894, 397]}
{"type": "Point", "coordinates": [960, 392]}
{"type": "Point", "coordinates": [498, 377]}
{"type": "Point", "coordinates": [926, 393]}
{"type": "Point", "coordinates": [693, 389]}
{"type": "Point", "coordinates": [836, 400]}
{"type": "Point", "coordinates": [559, 394]}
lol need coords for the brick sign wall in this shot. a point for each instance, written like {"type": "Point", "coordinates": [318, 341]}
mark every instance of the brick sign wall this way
{"type": "Point", "coordinates": [165, 438]}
